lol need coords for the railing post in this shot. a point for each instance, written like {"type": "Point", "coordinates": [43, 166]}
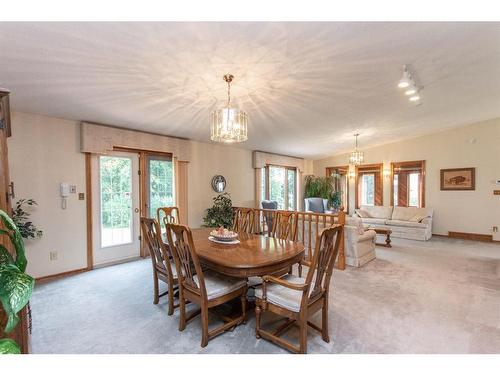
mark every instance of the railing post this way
{"type": "Point", "coordinates": [341, 257]}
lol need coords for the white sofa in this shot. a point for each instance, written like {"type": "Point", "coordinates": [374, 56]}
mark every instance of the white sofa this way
{"type": "Point", "coordinates": [405, 222]}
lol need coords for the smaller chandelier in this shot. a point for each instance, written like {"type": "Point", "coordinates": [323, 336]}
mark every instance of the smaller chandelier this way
{"type": "Point", "coordinates": [229, 125]}
{"type": "Point", "coordinates": [357, 157]}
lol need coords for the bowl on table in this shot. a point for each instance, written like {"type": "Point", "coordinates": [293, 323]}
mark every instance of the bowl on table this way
{"type": "Point", "coordinates": [224, 235]}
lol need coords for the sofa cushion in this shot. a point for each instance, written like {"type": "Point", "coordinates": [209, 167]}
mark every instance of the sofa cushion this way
{"type": "Point", "coordinates": [362, 213]}
{"type": "Point", "coordinates": [379, 212]}
{"type": "Point", "coordinates": [408, 224]}
{"type": "Point", "coordinates": [407, 213]}
{"type": "Point", "coordinates": [355, 222]}
{"type": "Point", "coordinates": [372, 221]}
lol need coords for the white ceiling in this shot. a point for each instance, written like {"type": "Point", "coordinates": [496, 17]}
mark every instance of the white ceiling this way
{"type": "Point", "coordinates": [307, 87]}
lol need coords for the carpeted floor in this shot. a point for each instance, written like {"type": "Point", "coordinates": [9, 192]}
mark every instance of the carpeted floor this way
{"type": "Point", "coordinates": [440, 296]}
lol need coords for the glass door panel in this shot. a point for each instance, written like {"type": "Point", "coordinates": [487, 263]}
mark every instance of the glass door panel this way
{"type": "Point", "coordinates": [115, 212]}
{"type": "Point", "coordinates": [116, 200]}
{"type": "Point", "coordinates": [160, 183]}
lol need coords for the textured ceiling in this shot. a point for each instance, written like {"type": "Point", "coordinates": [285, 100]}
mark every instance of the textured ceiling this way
{"type": "Point", "coordinates": [307, 87]}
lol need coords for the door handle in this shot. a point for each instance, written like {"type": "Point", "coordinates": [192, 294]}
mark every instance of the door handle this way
{"type": "Point", "coordinates": [12, 191]}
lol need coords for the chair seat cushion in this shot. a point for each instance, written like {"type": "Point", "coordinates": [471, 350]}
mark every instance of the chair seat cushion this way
{"type": "Point", "coordinates": [218, 285]}
{"type": "Point", "coordinates": [254, 281]}
{"type": "Point", "coordinates": [282, 296]}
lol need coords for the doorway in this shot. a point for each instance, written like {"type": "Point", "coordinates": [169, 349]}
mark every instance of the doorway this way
{"type": "Point", "coordinates": [128, 184]}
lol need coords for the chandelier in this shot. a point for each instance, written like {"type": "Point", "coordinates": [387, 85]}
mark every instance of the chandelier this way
{"type": "Point", "coordinates": [229, 125]}
{"type": "Point", "coordinates": [356, 157]}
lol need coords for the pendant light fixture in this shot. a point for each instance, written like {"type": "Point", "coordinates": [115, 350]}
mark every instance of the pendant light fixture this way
{"type": "Point", "coordinates": [357, 157]}
{"type": "Point", "coordinates": [229, 125]}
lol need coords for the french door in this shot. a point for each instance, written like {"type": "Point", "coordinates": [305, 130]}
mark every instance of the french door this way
{"type": "Point", "coordinates": [116, 213]}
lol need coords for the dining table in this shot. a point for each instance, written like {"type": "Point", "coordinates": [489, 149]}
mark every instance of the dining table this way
{"type": "Point", "coordinates": [254, 255]}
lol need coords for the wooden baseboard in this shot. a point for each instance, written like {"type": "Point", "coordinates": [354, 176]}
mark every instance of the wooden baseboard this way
{"type": "Point", "coordinates": [471, 236]}
{"type": "Point", "coordinates": [45, 279]}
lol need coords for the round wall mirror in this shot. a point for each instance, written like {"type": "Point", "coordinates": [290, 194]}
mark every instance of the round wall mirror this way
{"type": "Point", "coordinates": [218, 183]}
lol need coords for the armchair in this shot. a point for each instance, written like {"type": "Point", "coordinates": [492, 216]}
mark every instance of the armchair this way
{"type": "Point", "coordinates": [359, 243]}
{"type": "Point", "coordinates": [318, 205]}
{"type": "Point", "coordinates": [297, 298]}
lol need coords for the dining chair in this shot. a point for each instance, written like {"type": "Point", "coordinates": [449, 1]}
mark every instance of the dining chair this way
{"type": "Point", "coordinates": [243, 220]}
{"type": "Point", "coordinates": [285, 226]}
{"type": "Point", "coordinates": [298, 298]}
{"type": "Point", "coordinates": [207, 289]}
{"type": "Point", "coordinates": [163, 265]}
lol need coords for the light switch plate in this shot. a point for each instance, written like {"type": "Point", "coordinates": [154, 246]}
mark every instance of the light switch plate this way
{"type": "Point", "coordinates": [72, 189]}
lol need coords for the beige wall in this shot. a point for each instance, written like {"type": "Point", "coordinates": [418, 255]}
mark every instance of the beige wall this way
{"type": "Point", "coordinates": [476, 145]}
{"type": "Point", "coordinates": [44, 152]}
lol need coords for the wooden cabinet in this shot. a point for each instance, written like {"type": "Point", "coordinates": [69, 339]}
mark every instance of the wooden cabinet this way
{"type": "Point", "coordinates": [20, 334]}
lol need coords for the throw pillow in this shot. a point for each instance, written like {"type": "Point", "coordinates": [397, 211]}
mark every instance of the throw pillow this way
{"type": "Point", "coordinates": [417, 218]}
{"type": "Point", "coordinates": [362, 213]}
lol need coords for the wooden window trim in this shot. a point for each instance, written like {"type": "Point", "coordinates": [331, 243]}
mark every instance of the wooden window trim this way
{"type": "Point", "coordinates": [410, 164]}
{"type": "Point", "coordinates": [378, 169]}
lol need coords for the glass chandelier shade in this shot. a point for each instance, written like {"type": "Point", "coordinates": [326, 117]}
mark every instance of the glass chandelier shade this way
{"type": "Point", "coordinates": [229, 125]}
{"type": "Point", "coordinates": [357, 157]}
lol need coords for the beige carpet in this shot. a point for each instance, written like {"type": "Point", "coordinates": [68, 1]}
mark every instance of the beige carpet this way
{"type": "Point", "coordinates": [440, 296]}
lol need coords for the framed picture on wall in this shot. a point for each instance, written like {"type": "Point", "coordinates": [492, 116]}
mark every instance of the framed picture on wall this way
{"type": "Point", "coordinates": [458, 179]}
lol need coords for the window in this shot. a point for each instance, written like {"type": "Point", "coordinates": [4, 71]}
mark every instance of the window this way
{"type": "Point", "coordinates": [341, 183]}
{"type": "Point", "coordinates": [280, 184]}
{"type": "Point", "coordinates": [408, 184]}
{"type": "Point", "coordinates": [369, 185]}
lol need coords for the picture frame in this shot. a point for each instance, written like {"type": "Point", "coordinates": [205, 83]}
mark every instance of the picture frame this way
{"type": "Point", "coordinates": [458, 179]}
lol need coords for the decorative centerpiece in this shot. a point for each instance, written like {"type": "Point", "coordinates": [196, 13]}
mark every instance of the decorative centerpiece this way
{"type": "Point", "coordinates": [223, 235]}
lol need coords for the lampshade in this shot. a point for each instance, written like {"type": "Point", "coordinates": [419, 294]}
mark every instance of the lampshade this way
{"type": "Point", "coordinates": [229, 125]}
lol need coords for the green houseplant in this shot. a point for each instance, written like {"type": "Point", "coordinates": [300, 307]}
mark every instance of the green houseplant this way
{"type": "Point", "coordinates": [15, 285]}
{"type": "Point", "coordinates": [319, 187]}
{"type": "Point", "coordinates": [221, 213]}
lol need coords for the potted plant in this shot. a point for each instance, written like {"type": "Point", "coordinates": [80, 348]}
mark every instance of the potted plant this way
{"type": "Point", "coordinates": [221, 213]}
{"type": "Point", "coordinates": [15, 285]}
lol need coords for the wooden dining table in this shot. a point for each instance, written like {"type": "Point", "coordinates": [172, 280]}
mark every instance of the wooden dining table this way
{"type": "Point", "coordinates": [255, 255]}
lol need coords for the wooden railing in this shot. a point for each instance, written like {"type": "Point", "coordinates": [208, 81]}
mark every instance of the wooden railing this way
{"type": "Point", "coordinates": [308, 226]}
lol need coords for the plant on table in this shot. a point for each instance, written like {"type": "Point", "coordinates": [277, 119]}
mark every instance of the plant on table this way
{"type": "Point", "coordinates": [15, 285]}
{"type": "Point", "coordinates": [319, 187]}
{"type": "Point", "coordinates": [221, 213]}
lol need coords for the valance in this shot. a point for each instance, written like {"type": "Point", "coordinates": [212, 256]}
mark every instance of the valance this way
{"type": "Point", "coordinates": [101, 139]}
{"type": "Point", "coordinates": [261, 159]}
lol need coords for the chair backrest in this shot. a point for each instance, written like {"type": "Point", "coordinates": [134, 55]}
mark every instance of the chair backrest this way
{"type": "Point", "coordinates": [285, 225]}
{"type": "Point", "coordinates": [269, 205]}
{"type": "Point", "coordinates": [325, 255]}
{"type": "Point", "coordinates": [315, 204]}
{"type": "Point", "coordinates": [268, 216]}
{"type": "Point", "coordinates": [180, 240]}
{"type": "Point", "coordinates": [243, 220]}
{"type": "Point", "coordinates": [160, 255]}
{"type": "Point", "coordinates": [168, 215]}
